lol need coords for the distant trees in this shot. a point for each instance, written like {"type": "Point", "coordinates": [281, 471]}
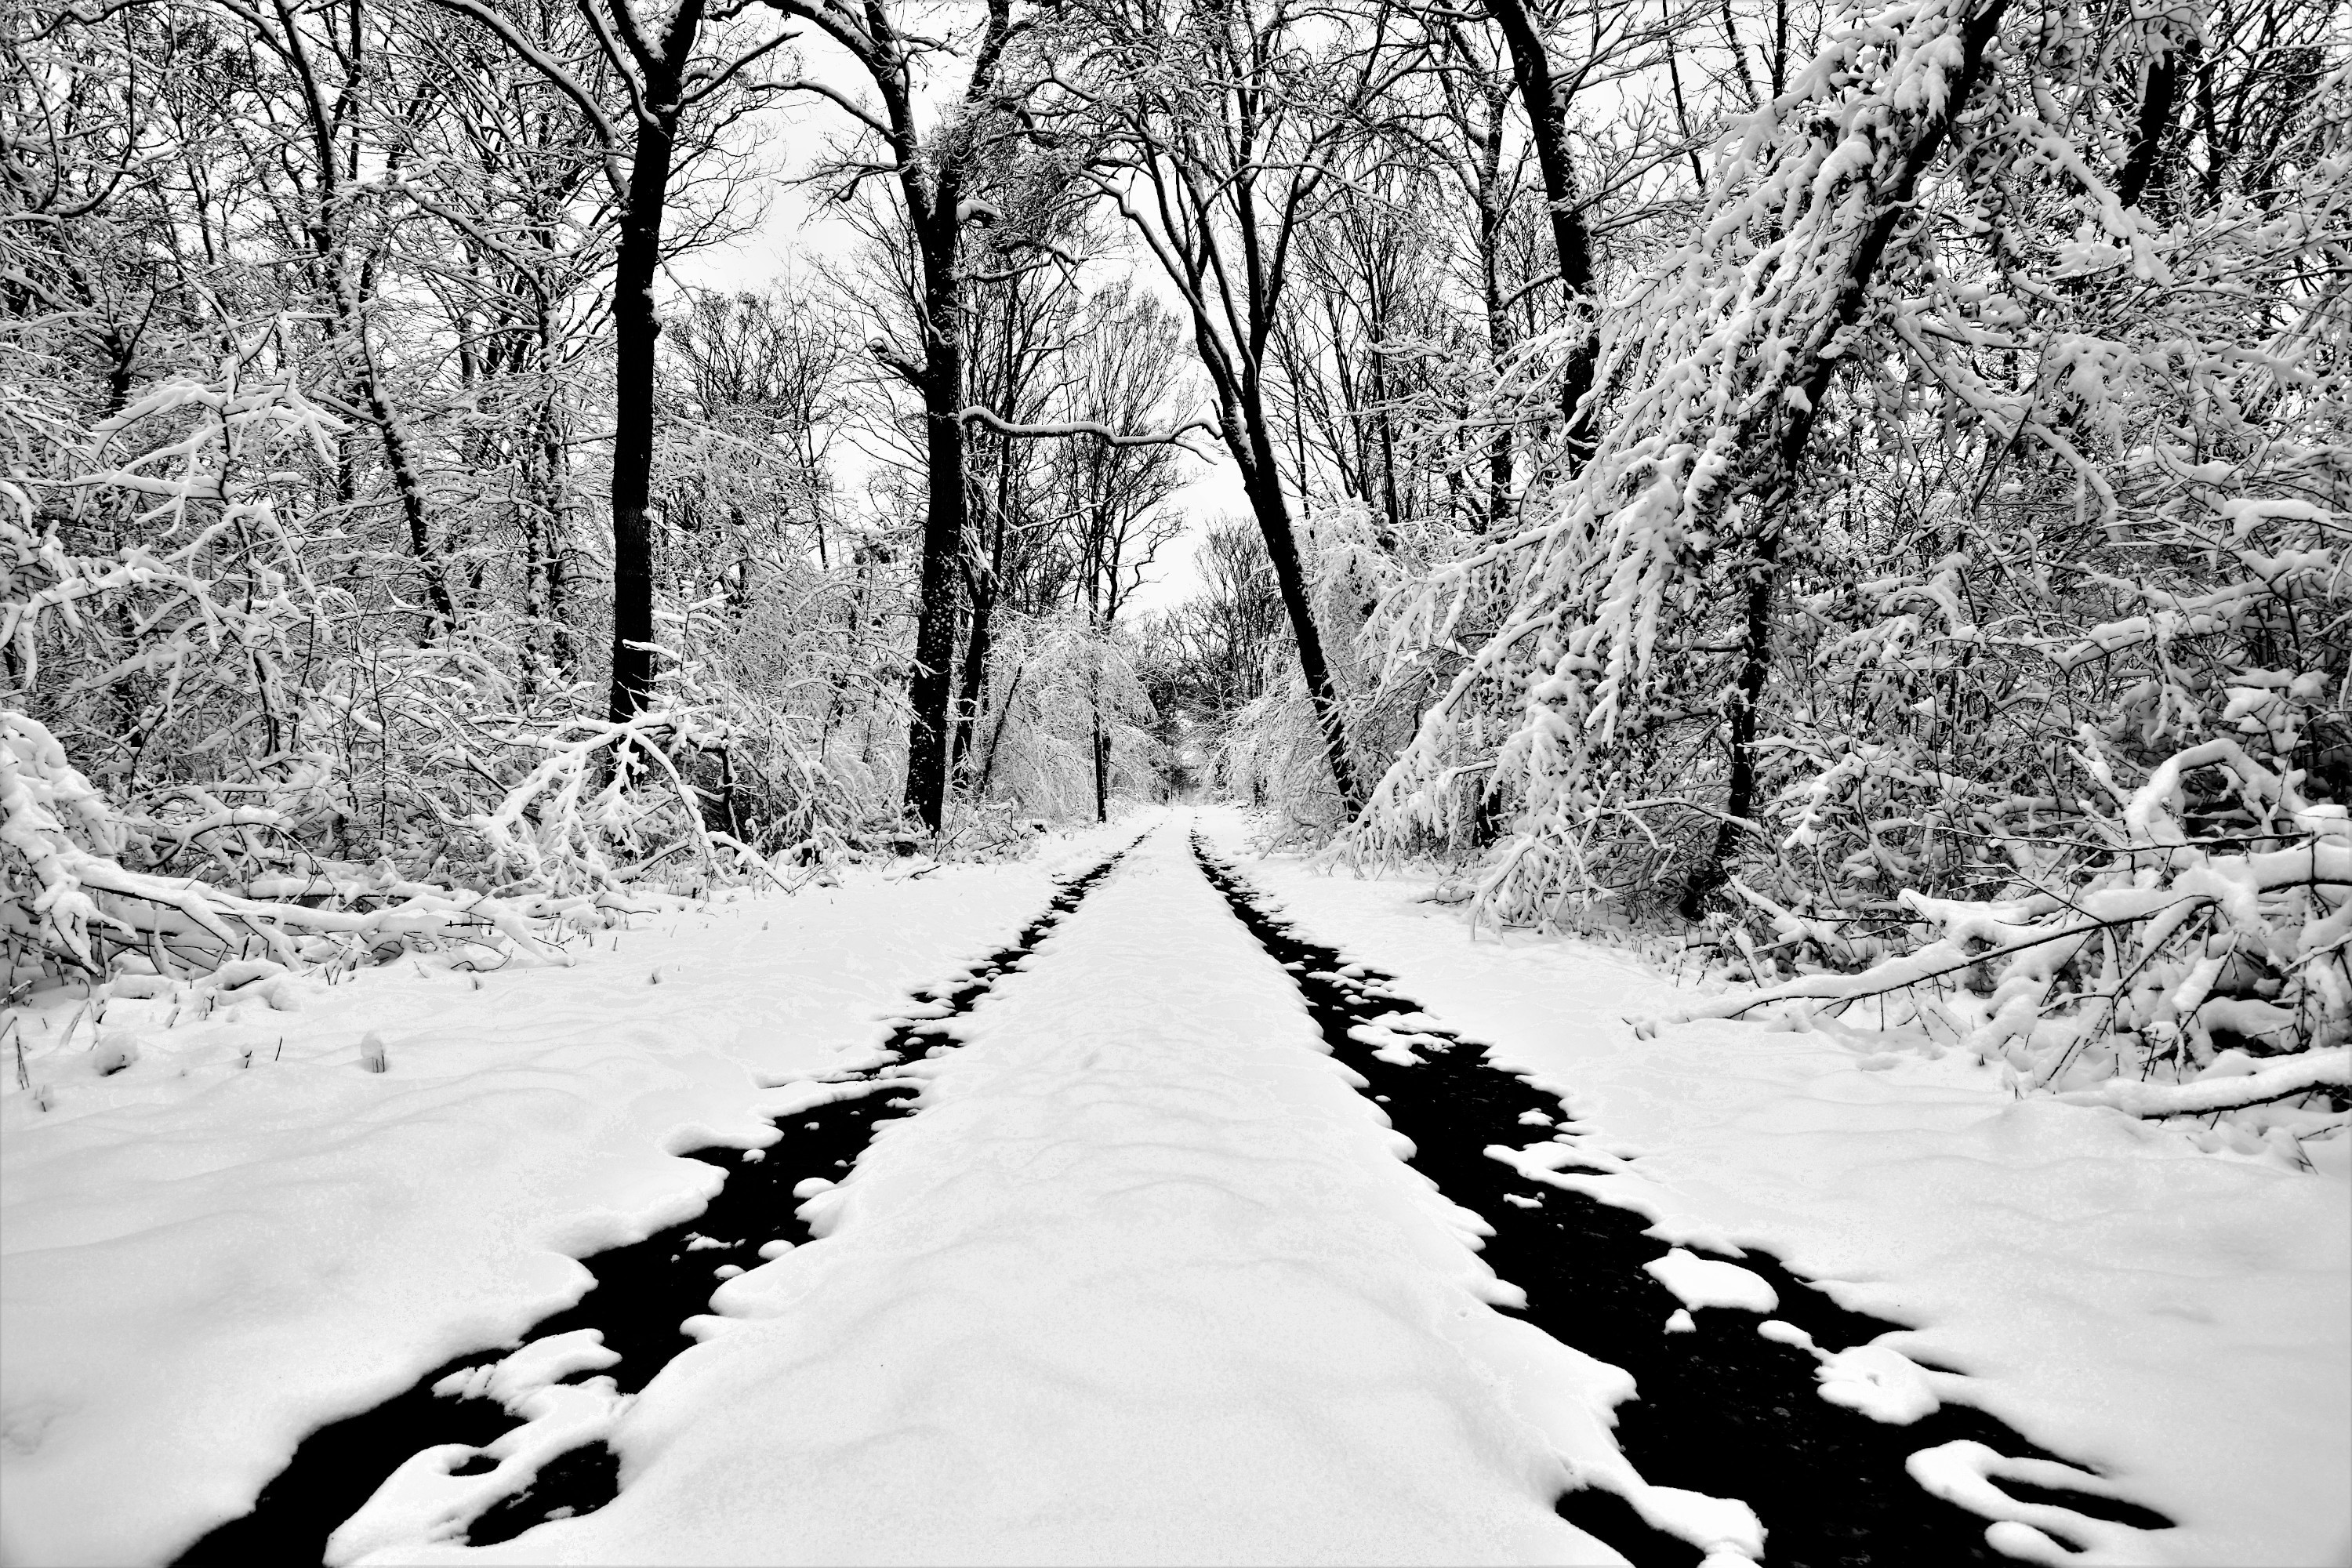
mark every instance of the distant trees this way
{"type": "Point", "coordinates": [1216, 131]}
{"type": "Point", "coordinates": [1123, 374]}
{"type": "Point", "coordinates": [1211, 655]}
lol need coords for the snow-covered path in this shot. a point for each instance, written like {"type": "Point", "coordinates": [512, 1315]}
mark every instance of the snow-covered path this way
{"type": "Point", "coordinates": [1147, 1279]}
{"type": "Point", "coordinates": [1144, 1281]}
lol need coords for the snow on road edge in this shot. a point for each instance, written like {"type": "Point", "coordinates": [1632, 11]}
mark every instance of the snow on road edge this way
{"type": "Point", "coordinates": [2182, 1321]}
{"type": "Point", "coordinates": [244, 1234]}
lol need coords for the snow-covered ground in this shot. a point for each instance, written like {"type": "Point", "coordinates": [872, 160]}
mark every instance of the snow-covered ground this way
{"type": "Point", "coordinates": [244, 1234]}
{"type": "Point", "coordinates": [2180, 1318]}
{"type": "Point", "coordinates": [1144, 1281]}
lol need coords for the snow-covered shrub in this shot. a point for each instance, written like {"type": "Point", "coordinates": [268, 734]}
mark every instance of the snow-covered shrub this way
{"type": "Point", "coordinates": [1966, 557]}
{"type": "Point", "coordinates": [781, 696]}
{"type": "Point", "coordinates": [207, 757]}
{"type": "Point", "coordinates": [2210, 928]}
{"type": "Point", "coordinates": [83, 903]}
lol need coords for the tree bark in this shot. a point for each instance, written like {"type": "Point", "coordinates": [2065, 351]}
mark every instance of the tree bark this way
{"type": "Point", "coordinates": [969, 700]}
{"type": "Point", "coordinates": [1102, 770]}
{"type": "Point", "coordinates": [943, 524]}
{"type": "Point", "coordinates": [1773, 488]}
{"type": "Point", "coordinates": [2156, 100]}
{"type": "Point", "coordinates": [1499, 461]}
{"type": "Point", "coordinates": [635, 331]}
{"type": "Point", "coordinates": [1540, 96]}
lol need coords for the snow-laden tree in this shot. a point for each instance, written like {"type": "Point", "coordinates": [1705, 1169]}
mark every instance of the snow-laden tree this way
{"type": "Point", "coordinates": [300, 331]}
{"type": "Point", "coordinates": [1960, 584]}
{"type": "Point", "coordinates": [1067, 709]}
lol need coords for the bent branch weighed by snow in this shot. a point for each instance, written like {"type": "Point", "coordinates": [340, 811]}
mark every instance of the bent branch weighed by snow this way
{"type": "Point", "coordinates": [2283, 1081]}
{"type": "Point", "coordinates": [2187, 941]}
{"type": "Point", "coordinates": [1101, 432]}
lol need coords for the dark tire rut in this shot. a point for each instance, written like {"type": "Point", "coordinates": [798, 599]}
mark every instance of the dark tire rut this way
{"type": "Point", "coordinates": [1721, 1409]}
{"type": "Point", "coordinates": [643, 1292]}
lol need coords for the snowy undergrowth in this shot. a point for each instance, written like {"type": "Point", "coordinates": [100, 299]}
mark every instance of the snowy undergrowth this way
{"type": "Point", "coordinates": [2184, 975]}
{"type": "Point", "coordinates": [223, 1230]}
{"type": "Point", "coordinates": [2179, 1316]}
{"type": "Point", "coordinates": [220, 886]}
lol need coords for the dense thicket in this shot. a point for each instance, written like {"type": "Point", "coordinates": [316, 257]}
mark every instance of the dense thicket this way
{"type": "Point", "coordinates": [394, 550]}
{"type": "Point", "coordinates": [1862, 483]}
{"type": "Point", "coordinates": [1958, 591]}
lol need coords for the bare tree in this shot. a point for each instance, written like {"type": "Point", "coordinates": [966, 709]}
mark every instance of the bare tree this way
{"type": "Point", "coordinates": [934, 167]}
{"type": "Point", "coordinates": [1214, 130]}
{"type": "Point", "coordinates": [672, 68]}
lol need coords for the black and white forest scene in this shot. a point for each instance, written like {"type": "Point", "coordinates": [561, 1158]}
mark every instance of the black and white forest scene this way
{"type": "Point", "coordinates": [1176, 782]}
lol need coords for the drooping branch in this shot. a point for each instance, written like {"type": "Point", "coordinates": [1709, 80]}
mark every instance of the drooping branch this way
{"type": "Point", "coordinates": [989, 419]}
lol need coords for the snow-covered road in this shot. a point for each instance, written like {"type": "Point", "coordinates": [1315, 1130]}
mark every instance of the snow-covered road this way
{"type": "Point", "coordinates": [1145, 1281]}
{"type": "Point", "coordinates": [1147, 1278]}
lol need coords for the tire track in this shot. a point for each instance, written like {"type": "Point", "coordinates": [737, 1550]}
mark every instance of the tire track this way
{"type": "Point", "coordinates": [643, 1292]}
{"type": "Point", "coordinates": [1722, 1410]}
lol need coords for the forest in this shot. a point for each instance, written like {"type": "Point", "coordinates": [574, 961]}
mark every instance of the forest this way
{"type": "Point", "coordinates": [1854, 492]}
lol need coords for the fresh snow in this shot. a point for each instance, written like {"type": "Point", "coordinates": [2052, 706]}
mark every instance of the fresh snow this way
{"type": "Point", "coordinates": [1703, 1282]}
{"type": "Point", "coordinates": [204, 1260]}
{"type": "Point", "coordinates": [2180, 1318]}
{"type": "Point", "coordinates": [1144, 1282]}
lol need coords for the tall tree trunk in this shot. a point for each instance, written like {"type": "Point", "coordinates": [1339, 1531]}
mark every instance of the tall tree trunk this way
{"type": "Point", "coordinates": [996, 733]}
{"type": "Point", "coordinates": [635, 329]}
{"type": "Point", "coordinates": [2156, 98]}
{"type": "Point", "coordinates": [1547, 109]}
{"type": "Point", "coordinates": [1755, 668]}
{"type": "Point", "coordinates": [1254, 451]}
{"type": "Point", "coordinates": [984, 583]}
{"type": "Point", "coordinates": [552, 508]}
{"type": "Point", "coordinates": [1102, 768]}
{"type": "Point", "coordinates": [927, 743]}
{"type": "Point", "coordinates": [1781, 429]}
{"type": "Point", "coordinates": [407, 483]}
{"type": "Point", "coordinates": [1097, 626]}
{"type": "Point", "coordinates": [1499, 328]}
{"type": "Point", "coordinates": [976, 649]}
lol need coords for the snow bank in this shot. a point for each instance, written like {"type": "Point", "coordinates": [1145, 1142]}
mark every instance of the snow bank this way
{"type": "Point", "coordinates": [242, 1234]}
{"type": "Point", "coordinates": [2181, 1320]}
